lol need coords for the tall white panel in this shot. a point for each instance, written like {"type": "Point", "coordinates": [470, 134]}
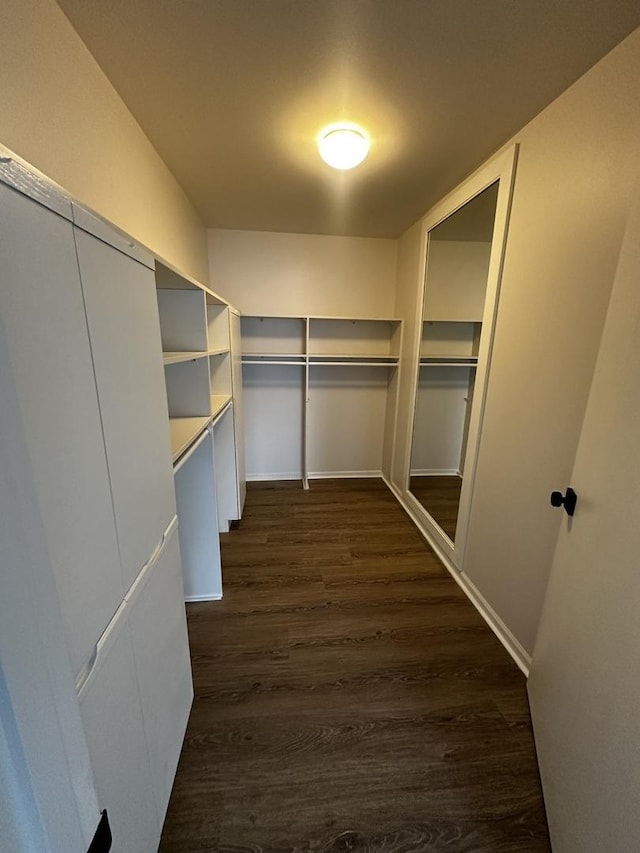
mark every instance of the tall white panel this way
{"type": "Point", "coordinates": [114, 726]}
{"type": "Point", "coordinates": [43, 315]}
{"type": "Point", "coordinates": [226, 472]}
{"type": "Point", "coordinates": [163, 665]}
{"type": "Point", "coordinates": [198, 528]}
{"type": "Point", "coordinates": [122, 315]}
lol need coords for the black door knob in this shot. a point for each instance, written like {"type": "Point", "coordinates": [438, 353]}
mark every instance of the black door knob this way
{"type": "Point", "coordinates": [568, 500]}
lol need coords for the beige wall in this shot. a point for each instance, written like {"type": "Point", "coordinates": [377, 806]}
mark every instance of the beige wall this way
{"type": "Point", "coordinates": [577, 164]}
{"type": "Point", "coordinates": [265, 272]}
{"type": "Point", "coordinates": [61, 114]}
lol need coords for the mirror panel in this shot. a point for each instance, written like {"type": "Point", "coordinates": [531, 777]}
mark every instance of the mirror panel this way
{"type": "Point", "coordinates": [458, 254]}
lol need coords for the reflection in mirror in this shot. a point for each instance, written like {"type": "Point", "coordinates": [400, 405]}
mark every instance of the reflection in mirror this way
{"type": "Point", "coordinates": [458, 252]}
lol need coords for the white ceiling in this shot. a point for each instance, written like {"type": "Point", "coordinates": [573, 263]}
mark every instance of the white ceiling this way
{"type": "Point", "coordinates": [233, 92]}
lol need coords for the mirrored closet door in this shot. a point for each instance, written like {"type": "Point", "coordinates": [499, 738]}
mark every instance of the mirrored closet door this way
{"type": "Point", "coordinates": [463, 253]}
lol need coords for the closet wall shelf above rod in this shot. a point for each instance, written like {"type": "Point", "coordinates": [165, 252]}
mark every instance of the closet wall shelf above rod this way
{"type": "Point", "coordinates": [437, 358]}
{"type": "Point", "coordinates": [178, 357]}
{"type": "Point", "coordinates": [272, 358]}
{"type": "Point", "coordinates": [327, 360]}
{"type": "Point", "coordinates": [219, 351]}
{"type": "Point", "coordinates": [322, 317]}
{"type": "Point", "coordinates": [298, 355]}
{"type": "Point", "coordinates": [358, 363]}
{"type": "Point", "coordinates": [273, 316]}
{"type": "Point", "coordinates": [265, 361]}
{"type": "Point", "coordinates": [353, 319]}
{"type": "Point", "coordinates": [448, 362]}
{"type": "Point", "coordinates": [356, 356]}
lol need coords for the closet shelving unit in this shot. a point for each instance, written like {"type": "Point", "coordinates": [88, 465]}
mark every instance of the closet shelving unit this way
{"type": "Point", "coordinates": [450, 343]}
{"type": "Point", "coordinates": [448, 361]}
{"type": "Point", "coordinates": [195, 326]}
{"type": "Point", "coordinates": [310, 376]}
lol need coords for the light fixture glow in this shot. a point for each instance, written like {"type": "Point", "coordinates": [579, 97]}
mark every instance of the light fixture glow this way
{"type": "Point", "coordinates": [343, 146]}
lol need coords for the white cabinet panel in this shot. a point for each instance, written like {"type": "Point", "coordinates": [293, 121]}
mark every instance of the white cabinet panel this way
{"type": "Point", "coordinates": [161, 650]}
{"type": "Point", "coordinates": [123, 323]}
{"type": "Point", "coordinates": [42, 311]}
{"type": "Point", "coordinates": [113, 723]}
{"type": "Point", "coordinates": [198, 528]}
{"type": "Point", "coordinates": [226, 471]}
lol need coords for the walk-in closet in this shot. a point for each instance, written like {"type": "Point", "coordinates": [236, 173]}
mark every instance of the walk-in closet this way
{"type": "Point", "coordinates": [318, 343]}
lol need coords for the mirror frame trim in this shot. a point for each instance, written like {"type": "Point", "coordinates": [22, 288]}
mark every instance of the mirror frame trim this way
{"type": "Point", "coordinates": [501, 168]}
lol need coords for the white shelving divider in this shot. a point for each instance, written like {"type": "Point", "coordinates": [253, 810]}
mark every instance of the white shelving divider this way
{"type": "Point", "coordinates": [229, 498]}
{"type": "Point", "coordinates": [221, 390]}
{"type": "Point", "coordinates": [195, 325]}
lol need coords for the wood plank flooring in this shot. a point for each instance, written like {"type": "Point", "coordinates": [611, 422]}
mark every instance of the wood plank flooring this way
{"type": "Point", "coordinates": [440, 496]}
{"type": "Point", "coordinates": [348, 696]}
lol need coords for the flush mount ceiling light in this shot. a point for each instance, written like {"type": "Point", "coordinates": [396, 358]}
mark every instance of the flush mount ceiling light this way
{"type": "Point", "coordinates": [343, 146]}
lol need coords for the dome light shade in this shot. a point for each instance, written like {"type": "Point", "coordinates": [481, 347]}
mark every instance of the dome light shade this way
{"type": "Point", "coordinates": [343, 146]}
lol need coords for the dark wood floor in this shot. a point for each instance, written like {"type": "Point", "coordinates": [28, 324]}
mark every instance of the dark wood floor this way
{"type": "Point", "coordinates": [348, 696]}
{"type": "Point", "coordinates": [440, 496]}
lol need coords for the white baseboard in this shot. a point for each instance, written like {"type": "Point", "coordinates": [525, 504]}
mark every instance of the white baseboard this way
{"type": "Point", "coordinates": [519, 654]}
{"type": "Point", "coordinates": [313, 475]}
{"type": "Point", "coordinates": [287, 475]}
{"type": "Point", "coordinates": [435, 472]}
{"type": "Point", "coordinates": [343, 475]}
{"type": "Point", "coordinates": [192, 599]}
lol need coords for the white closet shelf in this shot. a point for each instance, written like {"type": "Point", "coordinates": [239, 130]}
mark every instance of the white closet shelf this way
{"type": "Point", "coordinates": [219, 351]}
{"type": "Point", "coordinates": [468, 321]}
{"type": "Point", "coordinates": [183, 432]}
{"type": "Point", "coordinates": [299, 355]}
{"type": "Point", "coordinates": [274, 316]}
{"type": "Point", "coordinates": [448, 361]}
{"type": "Point", "coordinates": [353, 363]}
{"type": "Point", "coordinates": [322, 317]}
{"type": "Point", "coordinates": [354, 319]}
{"type": "Point", "coordinates": [318, 358]}
{"type": "Point", "coordinates": [448, 357]}
{"type": "Point", "coordinates": [218, 403]}
{"type": "Point", "coordinates": [178, 357]}
{"type": "Point", "coordinates": [355, 356]}
{"type": "Point", "coordinates": [273, 358]}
